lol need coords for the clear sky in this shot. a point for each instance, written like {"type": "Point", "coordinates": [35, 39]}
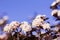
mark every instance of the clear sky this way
{"type": "Point", "coordinates": [21, 9]}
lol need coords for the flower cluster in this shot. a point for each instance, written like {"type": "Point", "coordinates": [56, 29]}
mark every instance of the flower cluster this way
{"type": "Point", "coordinates": [39, 29]}
{"type": "Point", "coordinates": [26, 29]}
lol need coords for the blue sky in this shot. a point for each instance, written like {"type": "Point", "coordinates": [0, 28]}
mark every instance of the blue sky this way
{"type": "Point", "coordinates": [20, 10]}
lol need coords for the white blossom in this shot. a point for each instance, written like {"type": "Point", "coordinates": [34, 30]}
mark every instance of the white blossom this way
{"type": "Point", "coordinates": [14, 24]}
{"type": "Point", "coordinates": [25, 26]}
{"type": "Point", "coordinates": [46, 26]}
{"type": "Point", "coordinates": [54, 3]}
{"type": "Point", "coordinates": [39, 16]}
{"type": "Point", "coordinates": [7, 28]}
{"type": "Point", "coordinates": [38, 20]}
{"type": "Point", "coordinates": [54, 12]}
